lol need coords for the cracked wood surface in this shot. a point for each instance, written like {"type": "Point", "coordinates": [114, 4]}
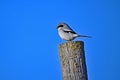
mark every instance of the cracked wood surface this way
{"type": "Point", "coordinates": [73, 63]}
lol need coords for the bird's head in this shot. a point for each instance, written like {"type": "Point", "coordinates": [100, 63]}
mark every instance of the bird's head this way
{"type": "Point", "coordinates": [61, 25]}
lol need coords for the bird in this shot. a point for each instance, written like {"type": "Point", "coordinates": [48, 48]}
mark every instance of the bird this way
{"type": "Point", "coordinates": [67, 33]}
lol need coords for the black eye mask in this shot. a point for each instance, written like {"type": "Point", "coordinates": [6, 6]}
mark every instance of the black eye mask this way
{"type": "Point", "coordinates": [59, 26]}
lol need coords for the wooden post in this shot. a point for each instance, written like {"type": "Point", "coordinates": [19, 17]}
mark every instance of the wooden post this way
{"type": "Point", "coordinates": [73, 63]}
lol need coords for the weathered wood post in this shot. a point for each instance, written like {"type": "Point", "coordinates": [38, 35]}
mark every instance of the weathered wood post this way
{"type": "Point", "coordinates": [73, 63]}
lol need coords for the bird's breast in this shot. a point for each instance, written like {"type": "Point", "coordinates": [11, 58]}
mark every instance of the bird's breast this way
{"type": "Point", "coordinates": [65, 36]}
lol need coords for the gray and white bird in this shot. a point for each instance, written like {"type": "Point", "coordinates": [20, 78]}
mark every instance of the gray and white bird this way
{"type": "Point", "coordinates": [66, 33]}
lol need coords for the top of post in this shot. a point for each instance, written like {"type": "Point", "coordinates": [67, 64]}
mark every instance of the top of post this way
{"type": "Point", "coordinates": [72, 45]}
{"type": "Point", "coordinates": [72, 42]}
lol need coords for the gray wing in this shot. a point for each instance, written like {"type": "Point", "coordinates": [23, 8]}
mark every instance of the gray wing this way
{"type": "Point", "coordinates": [67, 29]}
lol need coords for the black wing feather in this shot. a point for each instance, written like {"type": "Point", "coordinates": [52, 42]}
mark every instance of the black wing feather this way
{"type": "Point", "coordinates": [70, 32]}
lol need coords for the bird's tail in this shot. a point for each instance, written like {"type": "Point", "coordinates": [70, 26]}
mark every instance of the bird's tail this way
{"type": "Point", "coordinates": [84, 36]}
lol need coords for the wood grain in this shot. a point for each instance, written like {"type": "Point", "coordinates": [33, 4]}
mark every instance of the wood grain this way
{"type": "Point", "coordinates": [73, 62]}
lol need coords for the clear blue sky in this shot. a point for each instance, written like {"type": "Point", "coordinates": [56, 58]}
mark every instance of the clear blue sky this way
{"type": "Point", "coordinates": [29, 39]}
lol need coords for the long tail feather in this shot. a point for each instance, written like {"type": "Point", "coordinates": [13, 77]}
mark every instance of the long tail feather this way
{"type": "Point", "coordinates": [85, 36]}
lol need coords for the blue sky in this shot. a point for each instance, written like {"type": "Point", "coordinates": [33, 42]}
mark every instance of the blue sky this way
{"type": "Point", "coordinates": [29, 39]}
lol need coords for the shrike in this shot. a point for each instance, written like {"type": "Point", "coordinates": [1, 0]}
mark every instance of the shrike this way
{"type": "Point", "coordinates": [66, 33]}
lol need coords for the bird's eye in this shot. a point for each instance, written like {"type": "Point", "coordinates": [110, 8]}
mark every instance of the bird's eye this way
{"type": "Point", "coordinates": [60, 26]}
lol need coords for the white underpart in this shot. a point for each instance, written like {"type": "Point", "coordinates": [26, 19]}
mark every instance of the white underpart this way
{"type": "Point", "coordinates": [66, 36]}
